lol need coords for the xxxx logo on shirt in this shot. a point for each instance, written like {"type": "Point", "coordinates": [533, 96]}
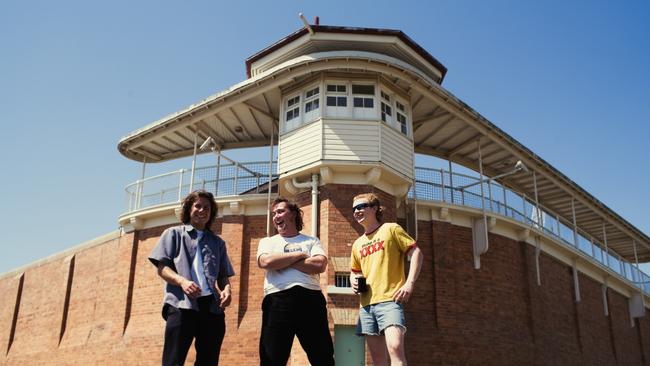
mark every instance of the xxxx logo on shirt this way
{"type": "Point", "coordinates": [371, 248]}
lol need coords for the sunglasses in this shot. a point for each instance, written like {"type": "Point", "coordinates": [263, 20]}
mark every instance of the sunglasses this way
{"type": "Point", "coordinates": [361, 206]}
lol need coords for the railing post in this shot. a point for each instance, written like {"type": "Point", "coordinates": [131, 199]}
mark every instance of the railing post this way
{"type": "Point", "coordinates": [451, 182]}
{"type": "Point", "coordinates": [490, 193]}
{"type": "Point", "coordinates": [141, 183]}
{"type": "Point", "coordinates": [605, 241]}
{"type": "Point", "coordinates": [505, 201]}
{"type": "Point", "coordinates": [538, 215]}
{"type": "Point", "coordinates": [216, 181]}
{"type": "Point", "coordinates": [257, 183]}
{"type": "Point", "coordinates": [575, 223]}
{"type": "Point", "coordinates": [235, 190]}
{"type": "Point", "coordinates": [442, 181]}
{"type": "Point", "coordinates": [523, 200]}
{"type": "Point", "coordinates": [193, 164]}
{"type": "Point", "coordinates": [180, 185]}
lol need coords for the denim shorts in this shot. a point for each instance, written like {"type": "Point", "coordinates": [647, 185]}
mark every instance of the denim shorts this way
{"type": "Point", "coordinates": [375, 318]}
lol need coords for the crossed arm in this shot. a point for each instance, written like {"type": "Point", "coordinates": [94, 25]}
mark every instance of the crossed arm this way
{"type": "Point", "coordinates": [298, 260]}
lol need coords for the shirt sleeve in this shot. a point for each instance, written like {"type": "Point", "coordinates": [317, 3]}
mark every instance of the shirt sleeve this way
{"type": "Point", "coordinates": [264, 247]}
{"type": "Point", "coordinates": [317, 249]}
{"type": "Point", "coordinates": [165, 250]}
{"type": "Point", "coordinates": [404, 240]}
{"type": "Point", "coordinates": [355, 265]}
{"type": "Point", "coordinates": [225, 267]}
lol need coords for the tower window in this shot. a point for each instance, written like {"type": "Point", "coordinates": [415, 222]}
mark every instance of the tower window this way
{"type": "Point", "coordinates": [293, 108]}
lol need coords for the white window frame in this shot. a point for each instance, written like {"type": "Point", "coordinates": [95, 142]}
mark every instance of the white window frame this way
{"type": "Point", "coordinates": [294, 122]}
{"type": "Point", "coordinates": [364, 112]}
{"type": "Point", "coordinates": [403, 112]}
{"type": "Point", "coordinates": [315, 113]}
{"type": "Point", "coordinates": [337, 111]}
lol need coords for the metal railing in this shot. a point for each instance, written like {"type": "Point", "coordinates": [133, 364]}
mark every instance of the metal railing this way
{"type": "Point", "coordinates": [224, 180]}
{"type": "Point", "coordinates": [465, 190]}
{"type": "Point", "coordinates": [431, 185]}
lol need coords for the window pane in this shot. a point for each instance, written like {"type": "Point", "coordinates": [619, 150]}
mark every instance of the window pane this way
{"type": "Point", "coordinates": [363, 89]}
{"type": "Point", "coordinates": [331, 88]}
{"type": "Point", "coordinates": [293, 101]}
{"type": "Point", "coordinates": [358, 102]}
{"type": "Point", "coordinates": [342, 101]}
{"type": "Point", "coordinates": [368, 103]}
{"type": "Point", "coordinates": [311, 93]}
{"type": "Point", "coordinates": [340, 88]}
{"type": "Point", "coordinates": [386, 109]}
{"type": "Point", "coordinates": [331, 101]}
{"type": "Point", "coordinates": [385, 96]}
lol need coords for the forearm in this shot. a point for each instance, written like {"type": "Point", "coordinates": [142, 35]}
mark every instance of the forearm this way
{"type": "Point", "coordinates": [312, 265]}
{"type": "Point", "coordinates": [416, 265]}
{"type": "Point", "coordinates": [170, 276]}
{"type": "Point", "coordinates": [277, 261]}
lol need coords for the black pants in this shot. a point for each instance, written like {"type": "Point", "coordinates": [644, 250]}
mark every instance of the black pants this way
{"type": "Point", "coordinates": [184, 325]}
{"type": "Point", "coordinates": [295, 312]}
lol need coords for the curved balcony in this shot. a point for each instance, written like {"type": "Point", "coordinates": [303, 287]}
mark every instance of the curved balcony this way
{"type": "Point", "coordinates": [432, 185]}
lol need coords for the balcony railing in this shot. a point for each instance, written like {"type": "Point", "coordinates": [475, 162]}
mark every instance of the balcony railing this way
{"type": "Point", "coordinates": [230, 179]}
{"type": "Point", "coordinates": [431, 185]}
{"type": "Point", "coordinates": [464, 190]}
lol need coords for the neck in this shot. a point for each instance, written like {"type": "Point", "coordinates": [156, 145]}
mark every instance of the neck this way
{"type": "Point", "coordinates": [288, 233]}
{"type": "Point", "coordinates": [371, 227]}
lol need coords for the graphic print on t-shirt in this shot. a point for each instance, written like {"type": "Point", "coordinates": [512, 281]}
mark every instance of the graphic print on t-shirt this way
{"type": "Point", "coordinates": [292, 247]}
{"type": "Point", "coordinates": [371, 247]}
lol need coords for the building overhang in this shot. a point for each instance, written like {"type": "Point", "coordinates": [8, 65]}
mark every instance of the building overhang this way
{"type": "Point", "coordinates": [247, 115]}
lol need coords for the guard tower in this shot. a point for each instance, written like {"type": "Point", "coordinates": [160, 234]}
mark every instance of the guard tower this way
{"type": "Point", "coordinates": [348, 109]}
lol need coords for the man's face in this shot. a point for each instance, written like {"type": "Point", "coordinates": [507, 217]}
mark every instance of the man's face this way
{"type": "Point", "coordinates": [362, 211]}
{"type": "Point", "coordinates": [200, 213]}
{"type": "Point", "coordinates": [284, 219]}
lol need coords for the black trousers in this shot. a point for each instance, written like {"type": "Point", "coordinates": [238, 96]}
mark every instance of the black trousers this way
{"type": "Point", "coordinates": [295, 312]}
{"type": "Point", "coordinates": [185, 325]}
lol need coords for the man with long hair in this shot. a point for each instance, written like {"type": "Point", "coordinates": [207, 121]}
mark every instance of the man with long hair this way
{"type": "Point", "coordinates": [378, 256]}
{"type": "Point", "coordinates": [195, 264]}
{"type": "Point", "coordinates": [293, 303]}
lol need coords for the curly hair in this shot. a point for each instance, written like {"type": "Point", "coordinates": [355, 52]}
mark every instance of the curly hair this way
{"type": "Point", "coordinates": [373, 200]}
{"type": "Point", "coordinates": [189, 201]}
{"type": "Point", "coordinates": [297, 212]}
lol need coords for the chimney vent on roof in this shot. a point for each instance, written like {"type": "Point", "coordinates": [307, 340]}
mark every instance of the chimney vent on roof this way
{"type": "Point", "coordinates": [316, 20]}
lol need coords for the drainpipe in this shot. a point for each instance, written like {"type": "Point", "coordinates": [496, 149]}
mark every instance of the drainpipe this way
{"type": "Point", "coordinates": [314, 200]}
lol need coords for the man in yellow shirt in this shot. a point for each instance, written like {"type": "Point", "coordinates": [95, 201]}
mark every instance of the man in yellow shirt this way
{"type": "Point", "coordinates": [378, 256]}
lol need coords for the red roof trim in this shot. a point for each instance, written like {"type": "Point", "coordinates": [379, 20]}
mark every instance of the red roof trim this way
{"type": "Point", "coordinates": [351, 30]}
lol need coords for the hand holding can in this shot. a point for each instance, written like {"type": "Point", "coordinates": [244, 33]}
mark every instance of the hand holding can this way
{"type": "Point", "coordinates": [361, 285]}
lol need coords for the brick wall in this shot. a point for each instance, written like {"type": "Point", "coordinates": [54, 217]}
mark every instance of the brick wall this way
{"type": "Point", "coordinates": [101, 305]}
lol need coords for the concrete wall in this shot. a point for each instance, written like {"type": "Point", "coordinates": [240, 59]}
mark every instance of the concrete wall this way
{"type": "Point", "coordinates": [101, 304]}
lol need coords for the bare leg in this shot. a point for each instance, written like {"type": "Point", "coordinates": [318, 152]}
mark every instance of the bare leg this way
{"type": "Point", "coordinates": [394, 337]}
{"type": "Point", "coordinates": [377, 348]}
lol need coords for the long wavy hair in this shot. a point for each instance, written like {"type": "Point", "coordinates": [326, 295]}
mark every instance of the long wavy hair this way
{"type": "Point", "coordinates": [193, 197]}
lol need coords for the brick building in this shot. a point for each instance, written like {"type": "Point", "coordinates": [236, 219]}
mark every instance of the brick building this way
{"type": "Point", "coordinates": [522, 266]}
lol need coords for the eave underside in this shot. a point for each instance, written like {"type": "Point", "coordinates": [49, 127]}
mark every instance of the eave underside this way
{"type": "Point", "coordinates": [247, 115]}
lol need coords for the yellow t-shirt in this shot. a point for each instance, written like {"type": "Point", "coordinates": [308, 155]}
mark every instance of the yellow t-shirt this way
{"type": "Point", "coordinates": [379, 257]}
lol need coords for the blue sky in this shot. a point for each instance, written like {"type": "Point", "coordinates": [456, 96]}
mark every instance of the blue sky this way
{"type": "Point", "coordinates": [570, 80]}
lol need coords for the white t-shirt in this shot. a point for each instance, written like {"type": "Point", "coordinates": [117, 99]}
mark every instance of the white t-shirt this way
{"type": "Point", "coordinates": [278, 280]}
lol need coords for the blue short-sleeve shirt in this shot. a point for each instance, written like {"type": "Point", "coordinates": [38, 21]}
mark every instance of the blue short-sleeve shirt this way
{"type": "Point", "coordinates": [176, 249]}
